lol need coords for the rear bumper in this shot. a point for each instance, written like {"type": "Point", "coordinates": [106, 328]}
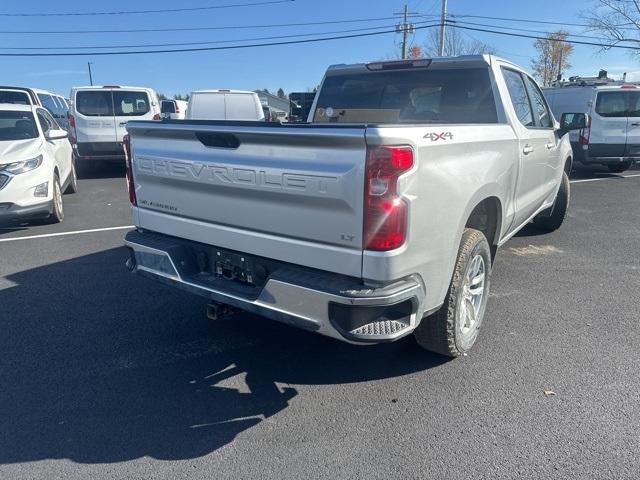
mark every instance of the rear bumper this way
{"type": "Point", "coordinates": [322, 302]}
{"type": "Point", "coordinates": [107, 151]}
{"type": "Point", "coordinates": [605, 154]}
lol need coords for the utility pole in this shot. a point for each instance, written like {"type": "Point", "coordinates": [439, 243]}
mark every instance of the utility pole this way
{"type": "Point", "coordinates": [405, 28]}
{"type": "Point", "coordinates": [90, 77]}
{"type": "Point", "coordinates": [443, 19]}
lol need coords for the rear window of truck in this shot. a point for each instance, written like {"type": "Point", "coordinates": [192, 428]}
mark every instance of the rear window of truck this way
{"type": "Point", "coordinates": [618, 104]}
{"type": "Point", "coordinates": [454, 96]}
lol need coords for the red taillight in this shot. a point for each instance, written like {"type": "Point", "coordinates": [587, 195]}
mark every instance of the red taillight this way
{"type": "Point", "coordinates": [73, 138]}
{"type": "Point", "coordinates": [584, 134]}
{"type": "Point", "coordinates": [131, 187]}
{"type": "Point", "coordinates": [385, 212]}
{"type": "Point", "coordinates": [177, 109]}
{"type": "Point", "coordinates": [156, 116]}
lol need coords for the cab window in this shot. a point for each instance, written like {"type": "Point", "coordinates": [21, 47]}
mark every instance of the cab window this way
{"type": "Point", "coordinates": [519, 97]}
{"type": "Point", "coordinates": [540, 108]}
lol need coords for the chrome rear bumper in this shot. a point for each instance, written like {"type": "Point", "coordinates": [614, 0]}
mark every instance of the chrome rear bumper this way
{"type": "Point", "coordinates": [329, 304]}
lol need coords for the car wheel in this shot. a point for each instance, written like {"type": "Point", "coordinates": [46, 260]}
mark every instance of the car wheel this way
{"type": "Point", "coordinates": [552, 218]}
{"type": "Point", "coordinates": [453, 329]}
{"type": "Point", "coordinates": [73, 184]}
{"type": "Point", "coordinates": [620, 167]}
{"type": "Point", "coordinates": [57, 213]}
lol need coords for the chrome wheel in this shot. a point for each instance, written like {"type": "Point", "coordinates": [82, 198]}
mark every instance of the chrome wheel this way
{"type": "Point", "coordinates": [471, 300]}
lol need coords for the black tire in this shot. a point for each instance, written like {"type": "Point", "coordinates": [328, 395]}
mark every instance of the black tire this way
{"type": "Point", "coordinates": [443, 332]}
{"type": "Point", "coordinates": [73, 184]}
{"type": "Point", "coordinates": [57, 212]}
{"type": "Point", "coordinates": [619, 167]}
{"type": "Point", "coordinates": [552, 218]}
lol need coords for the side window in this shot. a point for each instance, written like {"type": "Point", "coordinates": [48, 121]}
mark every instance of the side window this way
{"type": "Point", "coordinates": [519, 97]}
{"type": "Point", "coordinates": [539, 105]}
{"type": "Point", "coordinates": [612, 104]}
{"type": "Point", "coordinates": [46, 121]}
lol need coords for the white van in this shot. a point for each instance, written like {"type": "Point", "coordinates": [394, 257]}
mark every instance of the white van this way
{"type": "Point", "coordinates": [98, 117]}
{"type": "Point", "coordinates": [224, 105]}
{"type": "Point", "coordinates": [173, 109]}
{"type": "Point", "coordinates": [613, 138]}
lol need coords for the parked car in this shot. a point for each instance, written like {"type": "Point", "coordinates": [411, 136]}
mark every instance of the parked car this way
{"type": "Point", "coordinates": [36, 164]}
{"type": "Point", "coordinates": [98, 118]}
{"type": "Point", "coordinates": [224, 105]}
{"type": "Point", "coordinates": [380, 218]}
{"type": "Point", "coordinates": [270, 114]}
{"type": "Point", "coordinates": [173, 109]}
{"type": "Point", "coordinates": [56, 104]}
{"type": "Point", "coordinates": [613, 137]}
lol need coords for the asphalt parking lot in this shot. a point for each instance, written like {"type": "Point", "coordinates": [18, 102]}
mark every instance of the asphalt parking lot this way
{"type": "Point", "coordinates": [108, 375]}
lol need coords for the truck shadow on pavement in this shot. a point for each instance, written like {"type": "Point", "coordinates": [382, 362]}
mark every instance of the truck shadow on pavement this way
{"type": "Point", "coordinates": [102, 366]}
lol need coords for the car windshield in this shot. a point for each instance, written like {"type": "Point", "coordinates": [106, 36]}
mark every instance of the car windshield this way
{"type": "Point", "coordinates": [17, 125]}
{"type": "Point", "coordinates": [461, 95]}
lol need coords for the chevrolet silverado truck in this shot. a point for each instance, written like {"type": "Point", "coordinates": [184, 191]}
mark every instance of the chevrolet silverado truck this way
{"type": "Point", "coordinates": [379, 217]}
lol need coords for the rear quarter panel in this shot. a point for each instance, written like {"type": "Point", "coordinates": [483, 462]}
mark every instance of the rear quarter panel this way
{"type": "Point", "coordinates": [451, 176]}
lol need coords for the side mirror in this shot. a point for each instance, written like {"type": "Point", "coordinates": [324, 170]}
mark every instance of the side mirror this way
{"type": "Point", "coordinates": [573, 121]}
{"type": "Point", "coordinates": [56, 134]}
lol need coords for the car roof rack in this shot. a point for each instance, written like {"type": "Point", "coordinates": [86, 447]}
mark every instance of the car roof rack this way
{"type": "Point", "coordinates": [602, 79]}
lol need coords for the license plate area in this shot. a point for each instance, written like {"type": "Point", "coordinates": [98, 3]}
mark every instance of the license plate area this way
{"type": "Point", "coordinates": [238, 267]}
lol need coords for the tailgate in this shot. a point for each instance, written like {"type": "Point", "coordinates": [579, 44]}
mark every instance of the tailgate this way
{"type": "Point", "coordinates": [289, 193]}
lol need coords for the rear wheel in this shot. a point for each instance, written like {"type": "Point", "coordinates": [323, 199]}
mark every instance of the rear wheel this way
{"type": "Point", "coordinates": [552, 218]}
{"type": "Point", "coordinates": [619, 167]}
{"type": "Point", "coordinates": [453, 329]}
{"type": "Point", "coordinates": [57, 213]}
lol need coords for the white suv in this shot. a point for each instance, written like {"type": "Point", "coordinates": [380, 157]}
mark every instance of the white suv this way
{"type": "Point", "coordinates": [36, 164]}
{"type": "Point", "coordinates": [98, 117]}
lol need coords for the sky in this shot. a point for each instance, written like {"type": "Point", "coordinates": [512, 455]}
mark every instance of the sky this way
{"type": "Point", "coordinates": [291, 67]}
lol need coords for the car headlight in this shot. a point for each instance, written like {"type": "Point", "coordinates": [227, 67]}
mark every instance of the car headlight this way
{"type": "Point", "coordinates": [23, 166]}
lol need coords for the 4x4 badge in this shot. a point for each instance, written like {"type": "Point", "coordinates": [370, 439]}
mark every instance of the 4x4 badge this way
{"type": "Point", "coordinates": [434, 137]}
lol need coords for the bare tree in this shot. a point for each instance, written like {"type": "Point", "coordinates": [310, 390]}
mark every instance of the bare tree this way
{"type": "Point", "coordinates": [454, 44]}
{"type": "Point", "coordinates": [618, 21]}
{"type": "Point", "coordinates": [553, 57]}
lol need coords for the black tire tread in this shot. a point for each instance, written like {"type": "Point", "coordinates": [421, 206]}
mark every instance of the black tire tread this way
{"type": "Point", "coordinates": [437, 331]}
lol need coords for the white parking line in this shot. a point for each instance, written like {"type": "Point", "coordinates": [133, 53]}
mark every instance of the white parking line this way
{"type": "Point", "coordinates": [603, 178]}
{"type": "Point", "coordinates": [45, 235]}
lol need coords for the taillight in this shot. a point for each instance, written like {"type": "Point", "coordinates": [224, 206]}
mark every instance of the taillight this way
{"type": "Point", "coordinates": [73, 138]}
{"type": "Point", "coordinates": [385, 212]}
{"type": "Point", "coordinates": [584, 134]}
{"type": "Point", "coordinates": [156, 116]}
{"type": "Point", "coordinates": [177, 108]}
{"type": "Point", "coordinates": [131, 187]}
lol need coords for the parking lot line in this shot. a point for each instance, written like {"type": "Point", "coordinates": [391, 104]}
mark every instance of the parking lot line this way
{"type": "Point", "coordinates": [603, 178]}
{"type": "Point", "coordinates": [59, 234]}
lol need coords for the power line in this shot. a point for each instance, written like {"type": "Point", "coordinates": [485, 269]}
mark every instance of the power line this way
{"type": "Point", "coordinates": [252, 39]}
{"type": "Point", "coordinates": [135, 12]}
{"type": "Point", "coordinates": [458, 22]}
{"type": "Point", "coordinates": [537, 37]}
{"type": "Point", "coordinates": [204, 49]}
{"type": "Point", "coordinates": [529, 20]}
{"type": "Point", "coordinates": [193, 29]}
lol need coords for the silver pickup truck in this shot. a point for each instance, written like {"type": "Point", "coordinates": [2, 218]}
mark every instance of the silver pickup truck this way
{"type": "Point", "coordinates": [379, 217]}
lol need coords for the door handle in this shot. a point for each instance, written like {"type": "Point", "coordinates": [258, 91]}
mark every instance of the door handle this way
{"type": "Point", "coordinates": [527, 149]}
{"type": "Point", "coordinates": [550, 145]}
{"type": "Point", "coordinates": [635, 124]}
{"type": "Point", "coordinates": [122, 124]}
